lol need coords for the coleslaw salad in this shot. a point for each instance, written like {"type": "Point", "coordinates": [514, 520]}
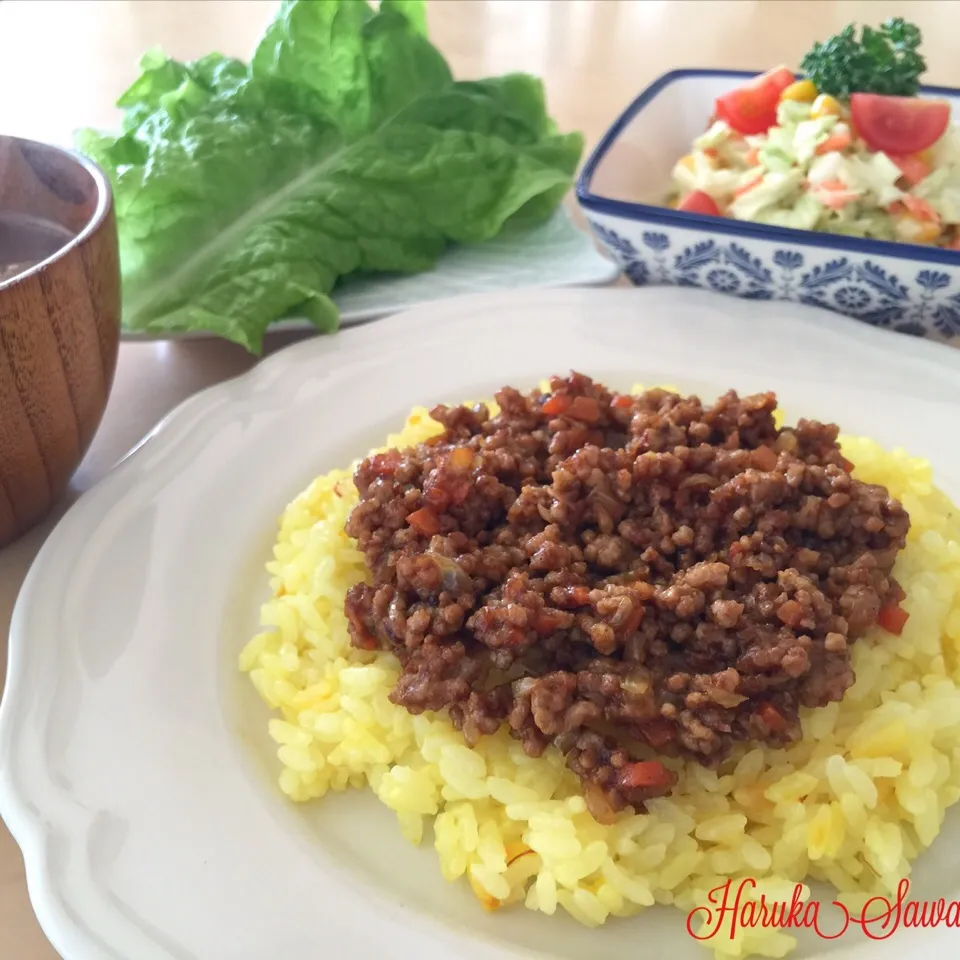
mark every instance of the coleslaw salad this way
{"type": "Point", "coordinates": [778, 152]}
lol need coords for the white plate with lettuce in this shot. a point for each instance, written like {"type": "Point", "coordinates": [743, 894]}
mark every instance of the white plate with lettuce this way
{"type": "Point", "coordinates": [339, 175]}
{"type": "Point", "coordinates": [552, 254]}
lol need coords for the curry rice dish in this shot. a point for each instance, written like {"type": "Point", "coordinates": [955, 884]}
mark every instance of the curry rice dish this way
{"type": "Point", "coordinates": [617, 648]}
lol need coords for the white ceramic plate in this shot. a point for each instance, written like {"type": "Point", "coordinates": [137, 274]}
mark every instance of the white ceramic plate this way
{"type": "Point", "coordinates": [554, 254]}
{"type": "Point", "coordinates": [135, 768]}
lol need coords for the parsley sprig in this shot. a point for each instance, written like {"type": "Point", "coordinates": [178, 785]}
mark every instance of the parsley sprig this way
{"type": "Point", "coordinates": [883, 60]}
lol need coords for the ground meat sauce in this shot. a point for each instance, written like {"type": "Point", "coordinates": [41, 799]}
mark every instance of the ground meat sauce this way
{"type": "Point", "coordinates": [618, 575]}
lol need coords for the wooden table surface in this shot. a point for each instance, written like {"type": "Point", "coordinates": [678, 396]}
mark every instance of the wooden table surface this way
{"type": "Point", "coordinates": [62, 64]}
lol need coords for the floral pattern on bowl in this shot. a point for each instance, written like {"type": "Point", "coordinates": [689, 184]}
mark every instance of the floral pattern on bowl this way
{"type": "Point", "coordinates": [917, 302]}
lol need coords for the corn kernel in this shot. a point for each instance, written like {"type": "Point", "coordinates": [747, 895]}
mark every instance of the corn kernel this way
{"type": "Point", "coordinates": [825, 106]}
{"type": "Point", "coordinates": [911, 230]}
{"type": "Point", "coordinates": [487, 901]}
{"type": "Point", "coordinates": [690, 162]}
{"type": "Point", "coordinates": [801, 91]}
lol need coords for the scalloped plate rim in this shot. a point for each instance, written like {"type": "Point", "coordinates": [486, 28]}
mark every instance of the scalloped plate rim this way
{"type": "Point", "coordinates": [67, 931]}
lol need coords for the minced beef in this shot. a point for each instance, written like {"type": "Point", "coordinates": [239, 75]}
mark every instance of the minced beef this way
{"type": "Point", "coordinates": [618, 575]}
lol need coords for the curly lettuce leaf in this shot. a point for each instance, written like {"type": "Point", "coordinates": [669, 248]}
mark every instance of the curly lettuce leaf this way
{"type": "Point", "coordinates": [340, 61]}
{"type": "Point", "coordinates": [323, 207]}
{"type": "Point", "coordinates": [244, 193]}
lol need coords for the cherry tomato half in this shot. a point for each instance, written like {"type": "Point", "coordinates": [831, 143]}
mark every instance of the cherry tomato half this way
{"type": "Point", "coordinates": [696, 201]}
{"type": "Point", "coordinates": [752, 108]}
{"type": "Point", "coordinates": [899, 125]}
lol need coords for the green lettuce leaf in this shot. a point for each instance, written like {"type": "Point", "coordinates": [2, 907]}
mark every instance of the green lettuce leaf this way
{"type": "Point", "coordinates": [244, 193]}
{"type": "Point", "coordinates": [340, 61]}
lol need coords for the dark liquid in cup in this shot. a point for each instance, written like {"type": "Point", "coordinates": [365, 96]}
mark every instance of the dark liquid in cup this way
{"type": "Point", "coordinates": [25, 241]}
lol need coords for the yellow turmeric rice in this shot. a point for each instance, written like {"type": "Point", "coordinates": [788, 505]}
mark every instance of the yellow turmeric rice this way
{"type": "Point", "coordinates": [851, 804]}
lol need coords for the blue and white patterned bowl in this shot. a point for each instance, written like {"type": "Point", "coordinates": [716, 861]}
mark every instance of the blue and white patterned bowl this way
{"type": "Point", "coordinates": [909, 288]}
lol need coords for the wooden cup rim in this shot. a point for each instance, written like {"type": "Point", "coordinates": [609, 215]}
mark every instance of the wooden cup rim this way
{"type": "Point", "coordinates": [102, 209]}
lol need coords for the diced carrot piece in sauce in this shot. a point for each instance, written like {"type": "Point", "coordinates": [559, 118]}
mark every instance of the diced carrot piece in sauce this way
{"type": "Point", "coordinates": [385, 464]}
{"type": "Point", "coordinates": [580, 596]}
{"type": "Point", "coordinates": [622, 401]}
{"type": "Point", "coordinates": [424, 521]}
{"type": "Point", "coordinates": [450, 484]}
{"type": "Point", "coordinates": [633, 621]}
{"type": "Point", "coordinates": [764, 458]}
{"type": "Point", "coordinates": [436, 496]}
{"type": "Point", "coordinates": [586, 409]}
{"type": "Point", "coordinates": [460, 490]}
{"type": "Point", "coordinates": [846, 464]}
{"type": "Point", "coordinates": [548, 620]}
{"type": "Point", "coordinates": [892, 618]}
{"type": "Point", "coordinates": [566, 597]}
{"type": "Point", "coordinates": [558, 403]}
{"type": "Point", "coordinates": [790, 612]}
{"type": "Point", "coordinates": [362, 639]}
{"type": "Point", "coordinates": [772, 717]}
{"type": "Point", "coordinates": [461, 458]}
{"type": "Point", "coordinates": [658, 733]}
{"type": "Point", "coordinates": [645, 773]}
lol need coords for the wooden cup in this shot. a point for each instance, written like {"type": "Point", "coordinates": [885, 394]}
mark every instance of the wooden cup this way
{"type": "Point", "coordinates": [59, 329]}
